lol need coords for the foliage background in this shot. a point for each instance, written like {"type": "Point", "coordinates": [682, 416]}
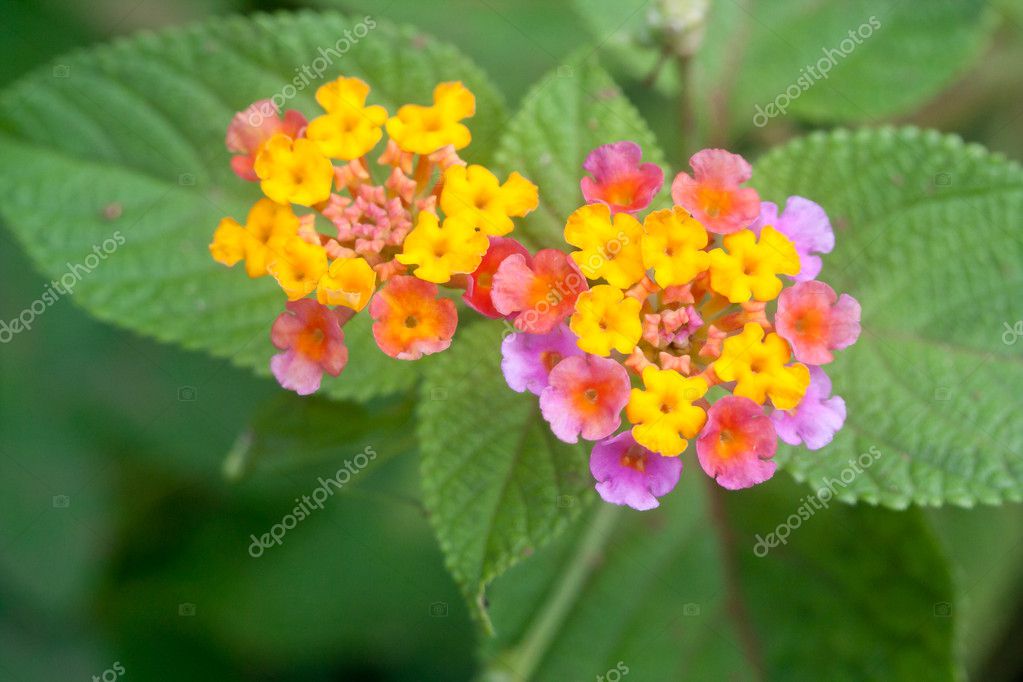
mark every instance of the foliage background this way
{"type": "Point", "coordinates": [153, 526]}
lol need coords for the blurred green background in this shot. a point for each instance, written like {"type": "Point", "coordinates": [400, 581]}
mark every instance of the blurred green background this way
{"type": "Point", "coordinates": [125, 522]}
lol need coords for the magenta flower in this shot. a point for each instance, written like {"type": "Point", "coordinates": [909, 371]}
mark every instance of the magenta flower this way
{"type": "Point", "coordinates": [737, 443]}
{"type": "Point", "coordinates": [527, 359]}
{"type": "Point", "coordinates": [807, 225]}
{"type": "Point", "coordinates": [629, 474]}
{"type": "Point", "coordinates": [817, 418]}
{"type": "Point", "coordinates": [310, 336]}
{"type": "Point", "coordinates": [816, 321]}
{"type": "Point", "coordinates": [619, 179]}
{"type": "Point", "coordinates": [713, 195]}
{"type": "Point", "coordinates": [585, 395]}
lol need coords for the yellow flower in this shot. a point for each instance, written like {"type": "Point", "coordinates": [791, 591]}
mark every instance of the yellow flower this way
{"type": "Point", "coordinates": [747, 267]}
{"type": "Point", "coordinates": [423, 130]}
{"type": "Point", "coordinates": [349, 129]}
{"type": "Point", "coordinates": [349, 282]}
{"type": "Point", "coordinates": [605, 319]}
{"type": "Point", "coordinates": [673, 243]}
{"type": "Point", "coordinates": [297, 266]}
{"type": "Point", "coordinates": [229, 242]}
{"type": "Point", "coordinates": [294, 171]}
{"type": "Point", "coordinates": [475, 194]}
{"type": "Point", "coordinates": [609, 249]}
{"type": "Point", "coordinates": [267, 222]}
{"type": "Point", "coordinates": [441, 251]}
{"type": "Point", "coordinates": [663, 414]}
{"type": "Point", "coordinates": [758, 366]}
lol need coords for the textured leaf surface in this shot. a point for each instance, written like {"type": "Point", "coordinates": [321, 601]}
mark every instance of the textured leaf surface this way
{"type": "Point", "coordinates": [656, 600]}
{"type": "Point", "coordinates": [129, 139]}
{"type": "Point", "coordinates": [928, 240]}
{"type": "Point", "coordinates": [567, 114]}
{"type": "Point", "coordinates": [901, 53]}
{"type": "Point", "coordinates": [496, 482]}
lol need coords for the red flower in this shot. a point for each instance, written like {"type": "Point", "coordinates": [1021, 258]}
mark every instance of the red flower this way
{"type": "Point", "coordinates": [480, 282]}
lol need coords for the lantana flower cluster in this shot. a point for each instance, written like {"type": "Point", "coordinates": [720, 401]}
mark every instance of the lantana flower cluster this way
{"type": "Point", "coordinates": [703, 321]}
{"type": "Point", "coordinates": [339, 235]}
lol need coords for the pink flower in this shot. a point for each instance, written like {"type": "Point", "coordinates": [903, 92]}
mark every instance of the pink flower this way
{"type": "Point", "coordinates": [816, 419]}
{"type": "Point", "coordinates": [527, 359]}
{"type": "Point", "coordinates": [370, 221]}
{"type": "Point", "coordinates": [619, 179]}
{"type": "Point", "coordinates": [541, 294]}
{"type": "Point", "coordinates": [713, 194]}
{"type": "Point", "coordinates": [737, 443]}
{"type": "Point", "coordinates": [480, 282]}
{"type": "Point", "coordinates": [807, 225]}
{"type": "Point", "coordinates": [585, 395]}
{"type": "Point", "coordinates": [253, 126]}
{"type": "Point", "coordinates": [815, 321]}
{"type": "Point", "coordinates": [310, 336]}
{"type": "Point", "coordinates": [629, 474]}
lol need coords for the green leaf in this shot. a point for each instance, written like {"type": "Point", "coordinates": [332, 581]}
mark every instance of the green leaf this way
{"type": "Point", "coordinates": [290, 432]}
{"type": "Point", "coordinates": [927, 240]}
{"type": "Point", "coordinates": [518, 39]}
{"type": "Point", "coordinates": [124, 146]}
{"type": "Point", "coordinates": [899, 55]}
{"type": "Point", "coordinates": [496, 482]}
{"type": "Point", "coordinates": [664, 596]}
{"type": "Point", "coordinates": [574, 109]}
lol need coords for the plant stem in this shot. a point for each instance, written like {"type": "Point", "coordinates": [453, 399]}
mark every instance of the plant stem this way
{"type": "Point", "coordinates": [687, 123]}
{"type": "Point", "coordinates": [520, 662]}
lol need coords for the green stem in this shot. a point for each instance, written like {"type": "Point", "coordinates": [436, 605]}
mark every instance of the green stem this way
{"type": "Point", "coordinates": [520, 662]}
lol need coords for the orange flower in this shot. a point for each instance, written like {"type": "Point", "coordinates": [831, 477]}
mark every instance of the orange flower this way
{"type": "Point", "coordinates": [410, 321]}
